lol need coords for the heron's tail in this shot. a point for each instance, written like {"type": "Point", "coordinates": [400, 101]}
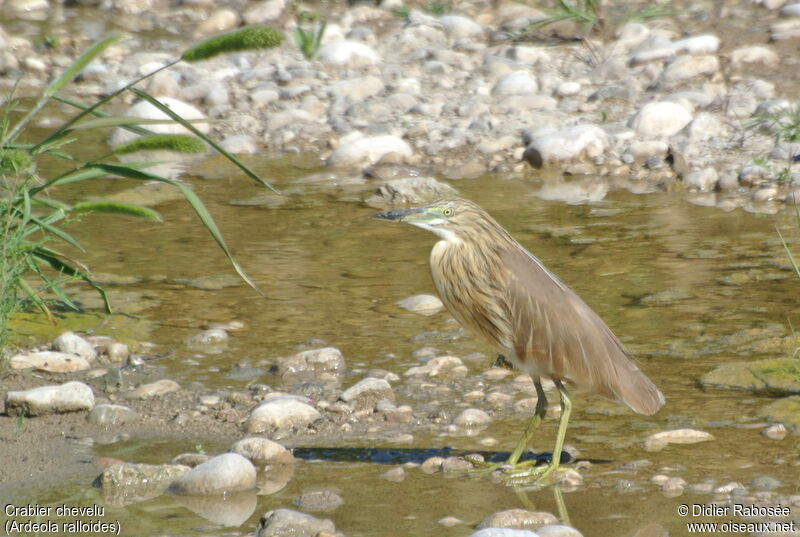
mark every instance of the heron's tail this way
{"type": "Point", "coordinates": [634, 389]}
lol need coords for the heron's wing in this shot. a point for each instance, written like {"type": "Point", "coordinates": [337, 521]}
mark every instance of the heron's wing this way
{"type": "Point", "coordinates": [555, 334]}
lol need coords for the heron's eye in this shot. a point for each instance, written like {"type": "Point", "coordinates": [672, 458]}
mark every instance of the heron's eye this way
{"type": "Point", "coordinates": [447, 212]}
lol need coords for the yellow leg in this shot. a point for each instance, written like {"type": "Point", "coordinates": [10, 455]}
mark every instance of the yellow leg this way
{"type": "Point", "coordinates": [538, 473]}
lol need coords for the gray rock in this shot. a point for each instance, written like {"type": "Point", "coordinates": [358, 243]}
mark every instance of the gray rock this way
{"type": "Point", "coordinates": [72, 343]}
{"type": "Point", "coordinates": [791, 10]}
{"type": "Point", "coordinates": [264, 11]}
{"type": "Point", "coordinates": [50, 361]}
{"type": "Point", "coordinates": [657, 441]}
{"type": "Point", "coordinates": [660, 119]}
{"type": "Point", "coordinates": [409, 190]}
{"type": "Point", "coordinates": [764, 482]}
{"type": "Point", "coordinates": [290, 523]}
{"type": "Point", "coordinates": [319, 501]}
{"type": "Point", "coordinates": [472, 418]}
{"type": "Point", "coordinates": [129, 483]}
{"type": "Point", "coordinates": [107, 414]}
{"type": "Point", "coordinates": [395, 475]}
{"type": "Point", "coordinates": [240, 144]}
{"type": "Point", "coordinates": [322, 363]}
{"type": "Point", "coordinates": [519, 519]}
{"type": "Point", "coordinates": [262, 451]}
{"type": "Point", "coordinates": [153, 389]}
{"type": "Point", "coordinates": [422, 304]}
{"type": "Point", "coordinates": [348, 54]}
{"type": "Point", "coordinates": [191, 459]}
{"type": "Point", "coordinates": [229, 472]}
{"type": "Point", "coordinates": [367, 392]}
{"type": "Point", "coordinates": [368, 150]}
{"type": "Point", "coordinates": [69, 397]}
{"type": "Point", "coordinates": [460, 27]}
{"type": "Point", "coordinates": [686, 67]}
{"type": "Point", "coordinates": [698, 44]}
{"type": "Point", "coordinates": [280, 416]}
{"type": "Point", "coordinates": [673, 486]}
{"type": "Point", "coordinates": [550, 146]}
{"type": "Point", "coordinates": [221, 20]}
{"type": "Point", "coordinates": [442, 367]}
{"type": "Point", "coordinates": [756, 54]}
{"type": "Point", "coordinates": [776, 431]}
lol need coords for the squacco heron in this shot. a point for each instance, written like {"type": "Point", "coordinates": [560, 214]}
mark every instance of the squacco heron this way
{"type": "Point", "coordinates": [494, 286]}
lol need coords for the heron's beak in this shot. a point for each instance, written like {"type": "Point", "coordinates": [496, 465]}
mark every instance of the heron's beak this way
{"type": "Point", "coordinates": [397, 215]}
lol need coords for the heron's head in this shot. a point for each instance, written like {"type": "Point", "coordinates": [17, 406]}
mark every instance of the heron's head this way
{"type": "Point", "coordinates": [450, 219]}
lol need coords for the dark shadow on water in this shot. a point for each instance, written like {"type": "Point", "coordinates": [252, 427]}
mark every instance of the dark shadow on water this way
{"type": "Point", "coordinates": [418, 455]}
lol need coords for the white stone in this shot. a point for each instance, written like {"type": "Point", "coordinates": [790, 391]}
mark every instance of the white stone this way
{"type": "Point", "coordinates": [368, 150]}
{"type": "Point", "coordinates": [568, 88]}
{"type": "Point", "coordinates": [264, 11]}
{"type": "Point", "coordinates": [530, 55]}
{"type": "Point", "coordinates": [754, 54]}
{"type": "Point", "coordinates": [367, 392]}
{"type": "Point", "coordinates": [660, 119]}
{"type": "Point", "coordinates": [72, 343]}
{"type": "Point", "coordinates": [348, 53]}
{"type": "Point", "coordinates": [686, 67]}
{"type": "Point", "coordinates": [549, 146]}
{"type": "Point", "coordinates": [68, 397]}
{"type": "Point", "coordinates": [503, 532]}
{"type": "Point", "coordinates": [632, 35]}
{"type": "Point", "coordinates": [154, 389]}
{"type": "Point", "coordinates": [460, 27]}
{"type": "Point", "coordinates": [699, 44]}
{"type": "Point", "coordinates": [472, 418]}
{"type": "Point", "coordinates": [212, 336]}
{"type": "Point", "coordinates": [145, 110]}
{"type": "Point", "coordinates": [791, 10]}
{"type": "Point", "coordinates": [440, 367]}
{"type": "Point", "coordinates": [422, 304]}
{"type": "Point", "coordinates": [516, 83]}
{"type": "Point", "coordinates": [657, 441]}
{"type": "Point", "coordinates": [281, 415]}
{"type": "Point", "coordinates": [788, 29]}
{"type": "Point", "coordinates": [51, 361]}
{"type": "Point", "coordinates": [240, 144]}
{"type": "Point", "coordinates": [229, 472]}
{"type": "Point", "coordinates": [221, 20]}
{"type": "Point", "coordinates": [557, 530]}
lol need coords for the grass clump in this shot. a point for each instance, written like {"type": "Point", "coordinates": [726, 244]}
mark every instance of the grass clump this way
{"type": "Point", "coordinates": [309, 33]}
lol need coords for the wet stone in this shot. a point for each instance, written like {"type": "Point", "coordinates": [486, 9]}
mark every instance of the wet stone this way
{"type": "Point", "coordinates": [50, 361]}
{"type": "Point", "coordinates": [262, 451]}
{"type": "Point", "coordinates": [408, 191]}
{"type": "Point", "coordinates": [558, 530]}
{"type": "Point", "coordinates": [450, 521]}
{"type": "Point", "coordinates": [319, 501]}
{"type": "Point", "coordinates": [128, 483]}
{"type": "Point", "coordinates": [212, 336]}
{"type": "Point", "coordinates": [154, 389]}
{"type": "Point", "coordinates": [764, 482]}
{"type": "Point", "coordinates": [107, 414]}
{"type": "Point", "coordinates": [445, 367]}
{"type": "Point", "coordinates": [456, 464]}
{"type": "Point", "coordinates": [776, 431]}
{"type": "Point", "coordinates": [367, 392]}
{"type": "Point", "coordinates": [229, 472]}
{"type": "Point", "coordinates": [395, 474]}
{"type": "Point", "coordinates": [325, 362]}
{"type": "Point", "coordinates": [503, 532]}
{"type": "Point", "coordinates": [432, 465]}
{"type": "Point", "coordinates": [518, 519]}
{"type": "Point", "coordinates": [190, 459]}
{"type": "Point", "coordinates": [288, 522]}
{"type": "Point", "coordinates": [673, 486]}
{"type": "Point", "coordinates": [72, 343]}
{"type": "Point", "coordinates": [658, 441]}
{"type": "Point", "coordinates": [472, 418]}
{"type": "Point", "coordinates": [69, 397]}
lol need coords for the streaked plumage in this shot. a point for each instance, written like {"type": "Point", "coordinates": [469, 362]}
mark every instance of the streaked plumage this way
{"type": "Point", "coordinates": [494, 286]}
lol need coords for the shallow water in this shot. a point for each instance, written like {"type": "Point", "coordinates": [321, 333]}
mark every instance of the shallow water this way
{"type": "Point", "coordinates": [685, 287]}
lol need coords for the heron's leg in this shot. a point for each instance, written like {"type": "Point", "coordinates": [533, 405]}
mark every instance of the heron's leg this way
{"type": "Point", "coordinates": [536, 419]}
{"type": "Point", "coordinates": [539, 472]}
{"type": "Point", "coordinates": [522, 445]}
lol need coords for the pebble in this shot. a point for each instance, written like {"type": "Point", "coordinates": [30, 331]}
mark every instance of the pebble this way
{"type": "Point", "coordinates": [212, 336]}
{"type": "Point", "coordinates": [756, 54]}
{"type": "Point", "coordinates": [408, 191]}
{"type": "Point", "coordinates": [704, 180]}
{"type": "Point", "coordinates": [660, 119]}
{"type": "Point", "coordinates": [348, 54]}
{"type": "Point", "coordinates": [516, 83]}
{"type": "Point", "coordinates": [72, 343]}
{"type": "Point", "coordinates": [395, 475]}
{"type": "Point", "coordinates": [422, 304]}
{"type": "Point", "coordinates": [367, 392]}
{"type": "Point", "coordinates": [549, 146]}
{"type": "Point", "coordinates": [764, 482]}
{"type": "Point", "coordinates": [518, 519]}
{"type": "Point", "coordinates": [279, 522]}
{"type": "Point", "coordinates": [226, 473]}
{"type": "Point", "coordinates": [280, 416]}
{"type": "Point", "coordinates": [50, 361]}
{"type": "Point", "coordinates": [472, 418]}
{"type": "Point", "coordinates": [262, 451]}
{"type": "Point", "coordinates": [69, 397]}
{"type": "Point", "coordinates": [221, 20]}
{"type": "Point", "coordinates": [319, 501]}
{"type": "Point", "coordinates": [264, 11]}
{"type": "Point", "coordinates": [129, 482]}
{"type": "Point", "coordinates": [367, 150]}
{"type": "Point", "coordinates": [450, 521]}
{"type": "Point", "coordinates": [673, 486]}
{"type": "Point", "coordinates": [698, 44]}
{"type": "Point", "coordinates": [327, 361]}
{"type": "Point", "coordinates": [776, 431]}
{"type": "Point", "coordinates": [154, 389]}
{"type": "Point", "coordinates": [432, 465]}
{"type": "Point", "coordinates": [658, 441]}
{"type": "Point", "coordinates": [503, 532]}
{"type": "Point", "coordinates": [558, 530]}
{"type": "Point", "coordinates": [686, 67]}
{"type": "Point", "coordinates": [108, 414]}
{"type": "Point", "coordinates": [442, 367]}
{"type": "Point", "coordinates": [460, 27]}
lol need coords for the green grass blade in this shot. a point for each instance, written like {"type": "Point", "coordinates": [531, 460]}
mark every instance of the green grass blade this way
{"type": "Point", "coordinates": [79, 64]}
{"type": "Point", "coordinates": [34, 297]}
{"type": "Point", "coordinates": [194, 201]}
{"type": "Point", "coordinates": [116, 207]}
{"type": "Point", "coordinates": [42, 225]}
{"type": "Point", "coordinates": [54, 259]}
{"type": "Point", "coordinates": [250, 173]}
{"type": "Point", "coordinates": [788, 253]}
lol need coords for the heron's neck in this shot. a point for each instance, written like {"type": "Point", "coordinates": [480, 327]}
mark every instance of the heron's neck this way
{"type": "Point", "coordinates": [445, 234]}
